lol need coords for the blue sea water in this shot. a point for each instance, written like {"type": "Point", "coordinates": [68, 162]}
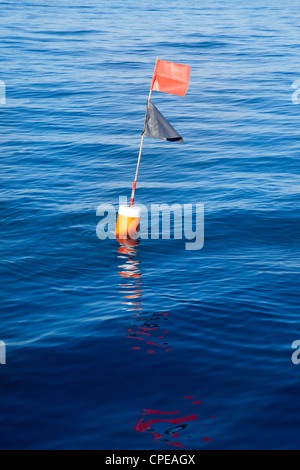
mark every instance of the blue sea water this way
{"type": "Point", "coordinates": [213, 327]}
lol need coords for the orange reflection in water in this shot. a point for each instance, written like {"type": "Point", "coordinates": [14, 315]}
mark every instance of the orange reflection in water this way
{"type": "Point", "coordinates": [146, 330]}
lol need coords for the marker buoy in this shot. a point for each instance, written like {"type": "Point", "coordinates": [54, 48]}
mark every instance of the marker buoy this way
{"type": "Point", "coordinates": [128, 221]}
{"type": "Point", "coordinates": [168, 77]}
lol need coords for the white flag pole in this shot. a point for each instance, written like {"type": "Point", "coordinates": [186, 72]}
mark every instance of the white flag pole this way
{"type": "Point", "coordinates": [141, 146]}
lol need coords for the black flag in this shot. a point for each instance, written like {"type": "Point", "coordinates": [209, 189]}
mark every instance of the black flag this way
{"type": "Point", "coordinates": [158, 127]}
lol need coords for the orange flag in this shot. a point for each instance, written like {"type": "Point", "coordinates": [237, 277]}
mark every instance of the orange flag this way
{"type": "Point", "coordinates": [169, 77]}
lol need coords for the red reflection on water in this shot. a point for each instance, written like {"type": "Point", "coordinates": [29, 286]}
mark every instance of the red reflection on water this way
{"type": "Point", "coordinates": [142, 426]}
{"type": "Point", "coordinates": [157, 412]}
{"type": "Point", "coordinates": [176, 444]}
{"type": "Point", "coordinates": [178, 425]}
{"type": "Point", "coordinates": [148, 330]}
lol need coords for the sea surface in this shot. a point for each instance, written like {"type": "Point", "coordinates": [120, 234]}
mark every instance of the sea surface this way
{"type": "Point", "coordinates": [150, 345]}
